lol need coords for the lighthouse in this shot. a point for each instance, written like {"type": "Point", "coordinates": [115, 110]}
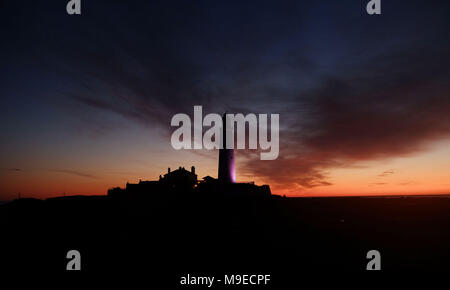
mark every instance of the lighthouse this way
{"type": "Point", "coordinates": [227, 173]}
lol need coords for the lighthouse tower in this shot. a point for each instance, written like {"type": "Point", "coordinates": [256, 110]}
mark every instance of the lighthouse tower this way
{"type": "Point", "coordinates": [227, 173]}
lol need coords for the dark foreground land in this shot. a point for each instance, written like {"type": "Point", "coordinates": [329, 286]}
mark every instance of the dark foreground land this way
{"type": "Point", "coordinates": [166, 238]}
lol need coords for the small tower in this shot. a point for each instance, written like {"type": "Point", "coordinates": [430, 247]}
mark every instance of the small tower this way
{"type": "Point", "coordinates": [227, 172]}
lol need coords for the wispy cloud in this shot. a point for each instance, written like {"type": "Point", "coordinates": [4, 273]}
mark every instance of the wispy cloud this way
{"type": "Point", "coordinates": [337, 108]}
{"type": "Point", "coordinates": [386, 173]}
{"type": "Point", "coordinates": [74, 172]}
{"type": "Point", "coordinates": [12, 169]}
{"type": "Point", "coordinates": [378, 183]}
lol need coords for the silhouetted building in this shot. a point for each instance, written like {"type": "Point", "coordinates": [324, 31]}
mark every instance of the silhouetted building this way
{"type": "Point", "coordinates": [180, 178]}
{"type": "Point", "coordinates": [212, 186]}
{"type": "Point", "coordinates": [177, 181]}
{"type": "Point", "coordinates": [209, 179]}
{"type": "Point", "coordinates": [182, 181]}
{"type": "Point", "coordinates": [116, 191]}
{"type": "Point", "coordinates": [142, 186]}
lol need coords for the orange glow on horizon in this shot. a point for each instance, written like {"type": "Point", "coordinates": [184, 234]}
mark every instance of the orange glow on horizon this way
{"type": "Point", "coordinates": [427, 173]}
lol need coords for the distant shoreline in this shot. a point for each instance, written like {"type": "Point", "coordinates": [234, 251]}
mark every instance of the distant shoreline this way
{"type": "Point", "coordinates": [275, 196]}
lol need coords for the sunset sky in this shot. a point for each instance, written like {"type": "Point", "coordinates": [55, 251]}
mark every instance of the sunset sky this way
{"type": "Point", "coordinates": [364, 101]}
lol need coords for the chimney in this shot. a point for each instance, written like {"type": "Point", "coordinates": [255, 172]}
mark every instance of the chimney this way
{"type": "Point", "coordinates": [168, 170]}
{"type": "Point", "coordinates": [193, 169]}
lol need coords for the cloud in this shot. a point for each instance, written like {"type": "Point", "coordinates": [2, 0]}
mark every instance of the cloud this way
{"type": "Point", "coordinates": [360, 100]}
{"type": "Point", "coordinates": [386, 173]}
{"type": "Point", "coordinates": [74, 172]}
{"type": "Point", "coordinates": [407, 183]}
{"type": "Point", "coordinates": [393, 105]}
{"type": "Point", "coordinates": [66, 171]}
{"type": "Point", "coordinates": [378, 183]}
